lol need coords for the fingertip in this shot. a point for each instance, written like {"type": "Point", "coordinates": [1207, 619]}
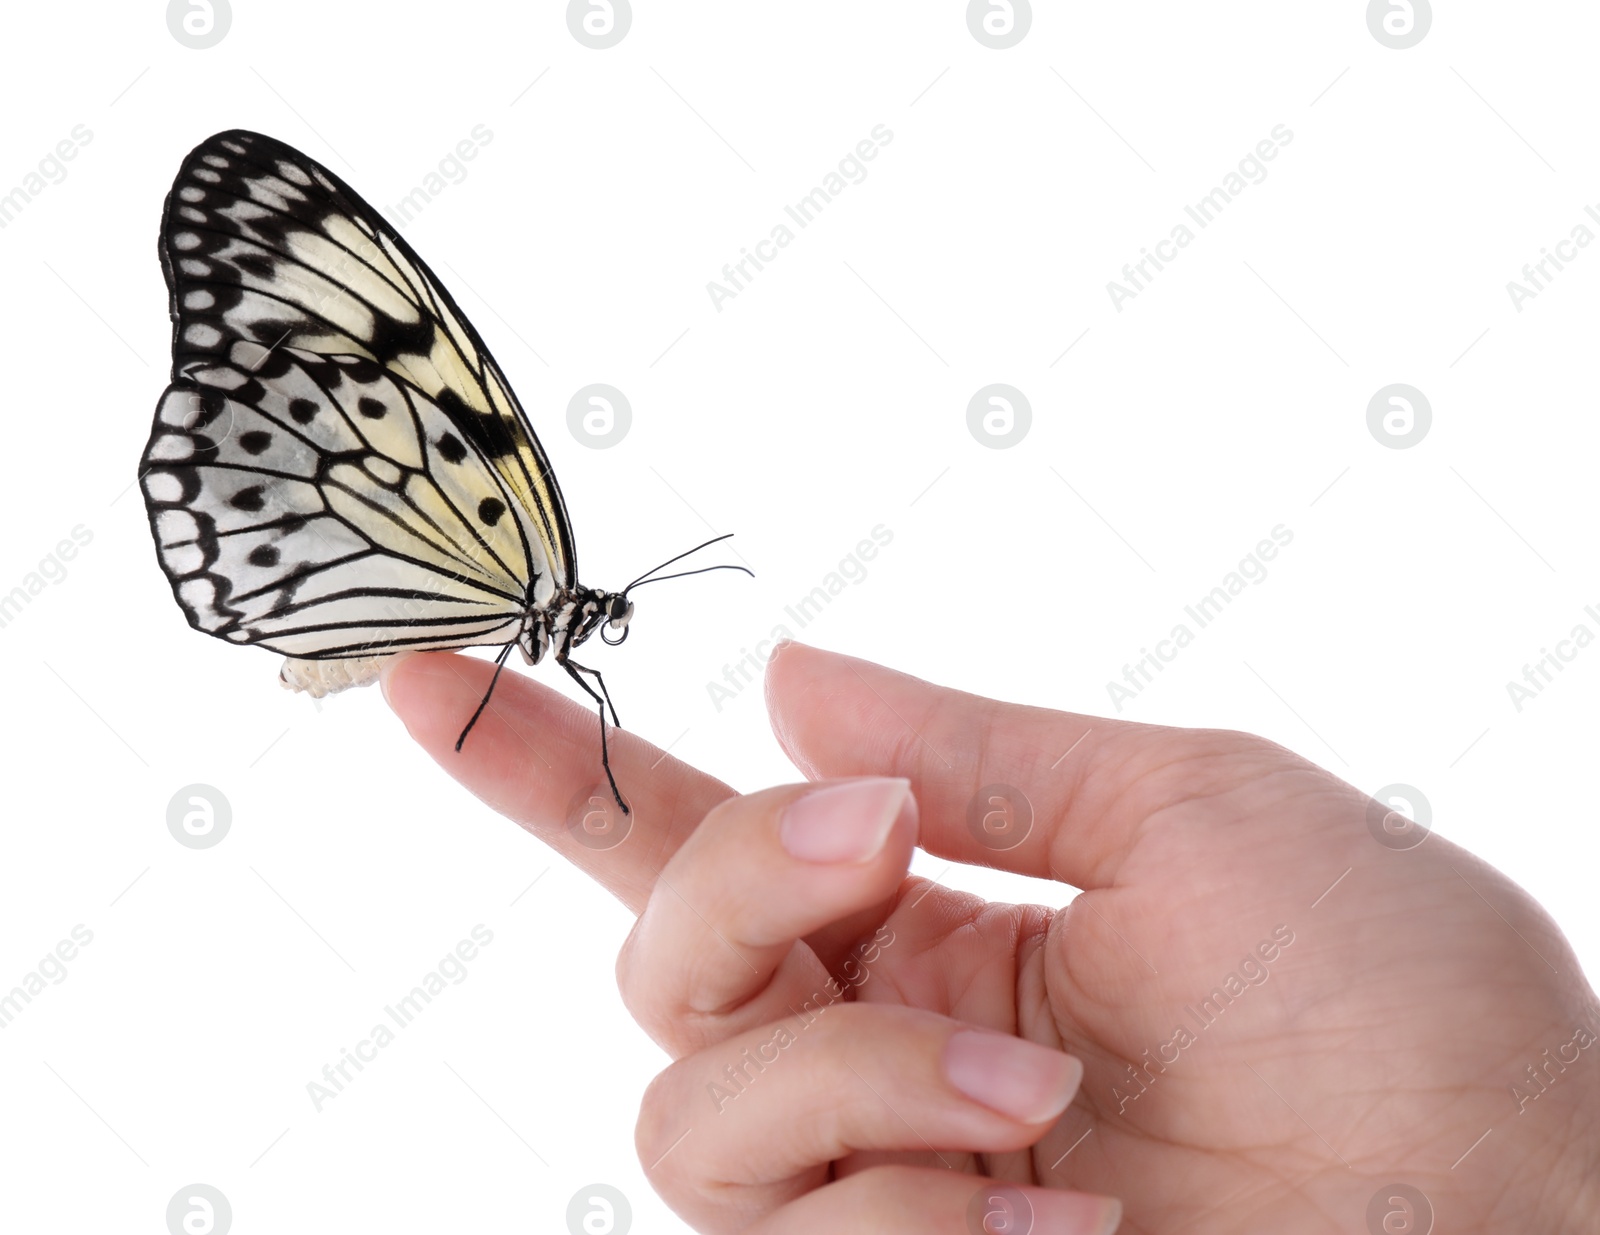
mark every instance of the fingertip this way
{"type": "Point", "coordinates": [796, 668]}
{"type": "Point", "coordinates": [428, 690]}
{"type": "Point", "coordinates": [818, 702]}
{"type": "Point", "coordinates": [386, 673]}
{"type": "Point", "coordinates": [791, 667]}
{"type": "Point", "coordinates": [847, 822]}
{"type": "Point", "coordinates": [785, 651]}
{"type": "Point", "coordinates": [405, 677]}
{"type": "Point", "coordinates": [1023, 1080]}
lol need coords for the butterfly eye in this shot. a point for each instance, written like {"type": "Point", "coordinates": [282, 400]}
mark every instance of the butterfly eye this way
{"type": "Point", "coordinates": [618, 610]}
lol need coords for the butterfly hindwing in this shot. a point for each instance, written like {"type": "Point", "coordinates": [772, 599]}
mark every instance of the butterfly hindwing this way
{"type": "Point", "coordinates": [285, 517]}
{"type": "Point", "coordinates": [338, 467]}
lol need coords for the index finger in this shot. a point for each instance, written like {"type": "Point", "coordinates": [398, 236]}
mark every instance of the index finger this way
{"type": "Point", "coordinates": [534, 756]}
{"type": "Point", "coordinates": [1054, 795]}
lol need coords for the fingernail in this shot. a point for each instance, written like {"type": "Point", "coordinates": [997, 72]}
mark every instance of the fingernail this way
{"type": "Point", "coordinates": [1081, 1213]}
{"type": "Point", "coordinates": [1018, 1078]}
{"type": "Point", "coordinates": [844, 823]}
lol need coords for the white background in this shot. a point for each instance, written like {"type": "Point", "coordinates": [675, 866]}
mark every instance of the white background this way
{"type": "Point", "coordinates": [829, 397]}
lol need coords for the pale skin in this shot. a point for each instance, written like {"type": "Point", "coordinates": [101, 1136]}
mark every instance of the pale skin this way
{"type": "Point", "coordinates": [978, 1044]}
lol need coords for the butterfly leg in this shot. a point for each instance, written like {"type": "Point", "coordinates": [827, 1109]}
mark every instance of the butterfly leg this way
{"type": "Point", "coordinates": [602, 700]}
{"type": "Point", "coordinates": [570, 665]}
{"type": "Point", "coordinates": [499, 664]}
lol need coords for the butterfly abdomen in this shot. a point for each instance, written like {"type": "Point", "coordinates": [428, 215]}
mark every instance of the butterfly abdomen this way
{"type": "Point", "coordinates": [320, 678]}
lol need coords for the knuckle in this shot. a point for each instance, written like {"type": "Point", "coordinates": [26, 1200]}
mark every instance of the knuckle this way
{"type": "Point", "coordinates": [736, 814]}
{"type": "Point", "coordinates": [658, 1003]}
{"type": "Point", "coordinates": [627, 969]}
{"type": "Point", "coordinates": [662, 1119]}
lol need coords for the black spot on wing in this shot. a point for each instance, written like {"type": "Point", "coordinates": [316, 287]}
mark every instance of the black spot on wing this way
{"type": "Point", "coordinates": [303, 411]}
{"type": "Point", "coordinates": [286, 594]}
{"type": "Point", "coordinates": [272, 331]}
{"type": "Point", "coordinates": [392, 339]}
{"type": "Point", "coordinates": [451, 448]}
{"type": "Point", "coordinates": [258, 264]}
{"type": "Point", "coordinates": [255, 441]}
{"type": "Point", "coordinates": [372, 409]}
{"type": "Point", "coordinates": [264, 555]}
{"type": "Point", "coordinates": [206, 405]}
{"type": "Point", "coordinates": [277, 363]}
{"type": "Point", "coordinates": [252, 499]}
{"type": "Point", "coordinates": [490, 510]}
{"type": "Point", "coordinates": [486, 431]}
{"type": "Point", "coordinates": [360, 370]}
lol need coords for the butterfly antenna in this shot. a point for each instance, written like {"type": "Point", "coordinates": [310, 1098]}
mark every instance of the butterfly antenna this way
{"type": "Point", "coordinates": [652, 578]}
{"type": "Point", "coordinates": [499, 664]}
{"type": "Point", "coordinates": [684, 574]}
{"type": "Point", "coordinates": [646, 576]}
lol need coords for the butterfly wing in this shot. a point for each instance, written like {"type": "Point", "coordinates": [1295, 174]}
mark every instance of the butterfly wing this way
{"type": "Point", "coordinates": [338, 467]}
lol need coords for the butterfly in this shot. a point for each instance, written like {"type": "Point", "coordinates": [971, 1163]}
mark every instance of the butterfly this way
{"type": "Point", "coordinates": [339, 470]}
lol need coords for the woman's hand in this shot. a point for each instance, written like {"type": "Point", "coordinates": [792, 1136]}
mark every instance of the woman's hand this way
{"type": "Point", "coordinates": [1293, 1011]}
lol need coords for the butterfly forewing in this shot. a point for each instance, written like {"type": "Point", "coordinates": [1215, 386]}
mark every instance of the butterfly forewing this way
{"type": "Point", "coordinates": [338, 467]}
